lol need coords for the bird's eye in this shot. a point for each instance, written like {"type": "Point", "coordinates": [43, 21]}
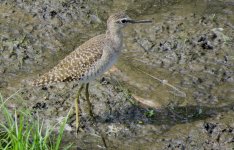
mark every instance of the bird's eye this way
{"type": "Point", "coordinates": [124, 21]}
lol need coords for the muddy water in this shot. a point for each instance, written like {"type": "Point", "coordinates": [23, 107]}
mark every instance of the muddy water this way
{"type": "Point", "coordinates": [166, 64]}
{"type": "Point", "coordinates": [172, 88]}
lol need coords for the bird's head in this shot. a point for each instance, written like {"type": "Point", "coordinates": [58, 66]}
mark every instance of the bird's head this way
{"type": "Point", "coordinates": [120, 20]}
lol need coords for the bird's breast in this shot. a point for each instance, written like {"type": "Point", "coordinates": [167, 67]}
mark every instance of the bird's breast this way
{"type": "Point", "coordinates": [102, 65]}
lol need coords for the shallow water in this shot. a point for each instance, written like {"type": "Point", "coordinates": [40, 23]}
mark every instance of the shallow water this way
{"type": "Point", "coordinates": [178, 71]}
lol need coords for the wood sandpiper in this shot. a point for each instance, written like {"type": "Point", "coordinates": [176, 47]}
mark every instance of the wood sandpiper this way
{"type": "Point", "coordinates": [91, 59]}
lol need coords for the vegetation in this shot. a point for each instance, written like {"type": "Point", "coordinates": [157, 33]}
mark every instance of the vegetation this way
{"type": "Point", "coordinates": [19, 130]}
{"type": "Point", "coordinates": [150, 113]}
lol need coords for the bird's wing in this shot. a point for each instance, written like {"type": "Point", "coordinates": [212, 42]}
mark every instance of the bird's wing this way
{"type": "Point", "coordinates": [74, 66]}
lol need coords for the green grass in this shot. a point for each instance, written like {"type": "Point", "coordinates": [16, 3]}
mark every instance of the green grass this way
{"type": "Point", "coordinates": [19, 130]}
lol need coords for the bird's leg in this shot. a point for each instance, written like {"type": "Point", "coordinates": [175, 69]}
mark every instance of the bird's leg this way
{"type": "Point", "coordinates": [77, 107]}
{"type": "Point", "coordinates": [88, 101]}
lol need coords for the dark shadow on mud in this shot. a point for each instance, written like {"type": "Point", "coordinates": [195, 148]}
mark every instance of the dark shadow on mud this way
{"type": "Point", "coordinates": [165, 116]}
{"type": "Point", "coordinates": [134, 115]}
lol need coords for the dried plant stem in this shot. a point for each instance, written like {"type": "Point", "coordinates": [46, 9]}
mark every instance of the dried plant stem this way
{"type": "Point", "coordinates": [164, 82]}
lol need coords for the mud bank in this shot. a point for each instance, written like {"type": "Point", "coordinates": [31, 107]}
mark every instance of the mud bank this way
{"type": "Point", "coordinates": [189, 46]}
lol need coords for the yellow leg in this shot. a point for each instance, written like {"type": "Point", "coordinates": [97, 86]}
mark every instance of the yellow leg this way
{"type": "Point", "coordinates": [87, 98]}
{"type": "Point", "coordinates": [77, 107]}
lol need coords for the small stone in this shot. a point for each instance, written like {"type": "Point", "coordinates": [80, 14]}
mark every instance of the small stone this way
{"type": "Point", "coordinates": [145, 44]}
{"type": "Point", "coordinates": [68, 127]}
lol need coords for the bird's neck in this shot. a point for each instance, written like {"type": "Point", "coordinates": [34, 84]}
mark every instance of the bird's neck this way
{"type": "Point", "coordinates": [116, 38]}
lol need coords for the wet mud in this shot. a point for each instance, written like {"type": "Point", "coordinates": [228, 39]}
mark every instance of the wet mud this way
{"type": "Point", "coordinates": [172, 88]}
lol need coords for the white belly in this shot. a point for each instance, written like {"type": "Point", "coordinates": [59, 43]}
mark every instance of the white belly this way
{"type": "Point", "coordinates": [101, 66]}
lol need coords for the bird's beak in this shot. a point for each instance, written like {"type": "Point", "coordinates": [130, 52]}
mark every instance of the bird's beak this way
{"type": "Point", "coordinates": [139, 21]}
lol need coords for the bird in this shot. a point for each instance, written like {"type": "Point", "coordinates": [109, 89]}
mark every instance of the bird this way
{"type": "Point", "coordinates": [91, 59]}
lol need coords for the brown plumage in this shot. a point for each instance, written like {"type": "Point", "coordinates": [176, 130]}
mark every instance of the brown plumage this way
{"type": "Point", "coordinates": [76, 64]}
